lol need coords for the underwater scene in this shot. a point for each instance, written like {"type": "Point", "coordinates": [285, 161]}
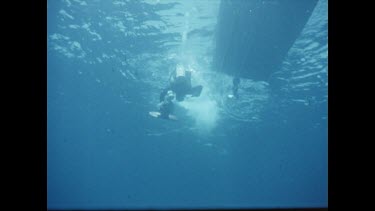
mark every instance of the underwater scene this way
{"type": "Point", "coordinates": [187, 104]}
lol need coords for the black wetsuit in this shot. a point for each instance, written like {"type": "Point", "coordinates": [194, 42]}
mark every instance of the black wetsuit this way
{"type": "Point", "coordinates": [236, 82]}
{"type": "Point", "coordinates": [181, 86]}
{"type": "Point", "coordinates": [165, 109]}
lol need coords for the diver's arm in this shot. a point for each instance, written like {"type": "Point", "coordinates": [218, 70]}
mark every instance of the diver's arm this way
{"type": "Point", "coordinates": [171, 108]}
{"type": "Point", "coordinates": [163, 93]}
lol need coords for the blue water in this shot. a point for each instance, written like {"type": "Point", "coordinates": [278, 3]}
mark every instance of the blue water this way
{"type": "Point", "coordinates": [107, 63]}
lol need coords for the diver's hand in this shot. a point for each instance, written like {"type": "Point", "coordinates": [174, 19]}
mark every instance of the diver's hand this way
{"type": "Point", "coordinates": [160, 104]}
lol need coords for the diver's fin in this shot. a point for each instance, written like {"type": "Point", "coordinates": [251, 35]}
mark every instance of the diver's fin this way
{"type": "Point", "coordinates": [157, 114]}
{"type": "Point", "coordinates": [196, 91]}
{"type": "Point", "coordinates": [172, 117]}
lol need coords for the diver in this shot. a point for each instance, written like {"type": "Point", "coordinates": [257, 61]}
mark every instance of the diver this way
{"type": "Point", "coordinates": [180, 84]}
{"type": "Point", "coordinates": [166, 106]}
{"type": "Point", "coordinates": [236, 82]}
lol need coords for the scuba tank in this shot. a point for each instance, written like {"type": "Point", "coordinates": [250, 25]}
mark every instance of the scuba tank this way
{"type": "Point", "coordinates": [180, 71]}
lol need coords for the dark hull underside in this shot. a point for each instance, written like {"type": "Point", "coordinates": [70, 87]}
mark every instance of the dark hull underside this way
{"type": "Point", "coordinates": [254, 36]}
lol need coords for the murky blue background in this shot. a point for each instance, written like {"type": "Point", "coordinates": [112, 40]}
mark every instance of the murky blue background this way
{"type": "Point", "coordinates": [107, 63]}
